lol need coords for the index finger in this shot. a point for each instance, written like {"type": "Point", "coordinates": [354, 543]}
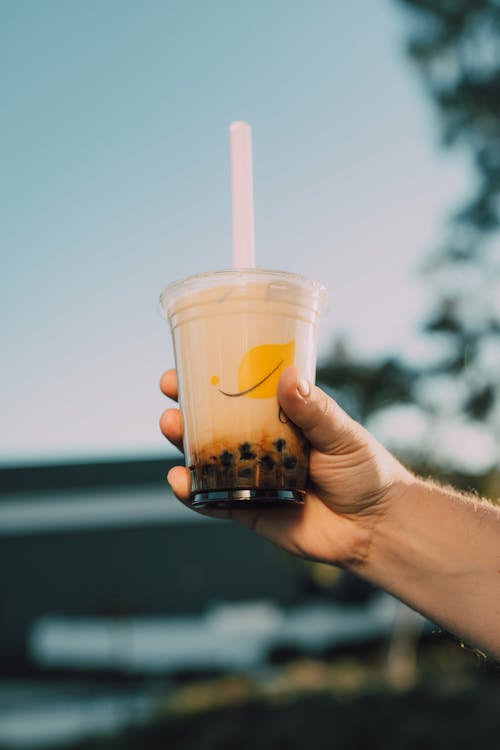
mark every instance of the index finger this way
{"type": "Point", "coordinates": [168, 384]}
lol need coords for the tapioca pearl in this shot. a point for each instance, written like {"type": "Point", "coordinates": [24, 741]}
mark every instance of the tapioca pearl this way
{"type": "Point", "coordinates": [290, 462]}
{"type": "Point", "coordinates": [226, 458]}
{"type": "Point", "coordinates": [279, 444]}
{"type": "Point", "coordinates": [246, 452]}
{"type": "Point", "coordinates": [246, 472]}
{"type": "Point", "coordinates": [208, 470]}
{"type": "Point", "coordinates": [267, 463]}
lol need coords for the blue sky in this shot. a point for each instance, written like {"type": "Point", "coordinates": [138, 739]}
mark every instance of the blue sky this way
{"type": "Point", "coordinates": [115, 181]}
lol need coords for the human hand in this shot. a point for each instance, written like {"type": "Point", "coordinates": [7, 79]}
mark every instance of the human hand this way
{"type": "Point", "coordinates": [353, 479]}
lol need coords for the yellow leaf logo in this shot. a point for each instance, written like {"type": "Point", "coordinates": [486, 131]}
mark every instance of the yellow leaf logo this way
{"type": "Point", "coordinates": [260, 370]}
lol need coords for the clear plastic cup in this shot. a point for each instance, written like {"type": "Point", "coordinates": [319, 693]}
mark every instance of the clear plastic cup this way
{"type": "Point", "coordinates": [234, 333]}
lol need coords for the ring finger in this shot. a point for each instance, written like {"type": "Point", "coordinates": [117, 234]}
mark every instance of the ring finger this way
{"type": "Point", "coordinates": [172, 426]}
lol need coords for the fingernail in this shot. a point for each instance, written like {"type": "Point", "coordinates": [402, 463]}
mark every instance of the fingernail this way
{"type": "Point", "coordinates": [303, 387]}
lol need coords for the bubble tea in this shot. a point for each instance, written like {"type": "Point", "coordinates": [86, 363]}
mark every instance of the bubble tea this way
{"type": "Point", "coordinates": [234, 333]}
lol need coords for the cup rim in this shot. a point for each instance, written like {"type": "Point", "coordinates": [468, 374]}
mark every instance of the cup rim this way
{"type": "Point", "coordinates": [211, 279]}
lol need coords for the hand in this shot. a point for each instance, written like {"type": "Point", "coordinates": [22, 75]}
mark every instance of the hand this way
{"type": "Point", "coordinates": [353, 478]}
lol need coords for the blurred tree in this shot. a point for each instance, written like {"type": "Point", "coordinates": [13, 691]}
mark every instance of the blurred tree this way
{"type": "Point", "coordinates": [366, 387]}
{"type": "Point", "coordinates": [456, 46]}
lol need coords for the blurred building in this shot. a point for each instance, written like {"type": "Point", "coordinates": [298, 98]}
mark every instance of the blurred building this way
{"type": "Point", "coordinates": [109, 540]}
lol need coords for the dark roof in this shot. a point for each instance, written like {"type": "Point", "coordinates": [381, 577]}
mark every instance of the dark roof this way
{"type": "Point", "coordinates": [117, 473]}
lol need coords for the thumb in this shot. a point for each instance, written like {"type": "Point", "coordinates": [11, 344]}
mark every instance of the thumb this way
{"type": "Point", "coordinates": [325, 425]}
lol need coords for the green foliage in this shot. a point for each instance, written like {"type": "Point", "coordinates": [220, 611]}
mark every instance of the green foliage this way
{"type": "Point", "coordinates": [422, 718]}
{"type": "Point", "coordinates": [456, 46]}
{"type": "Point", "coordinates": [364, 388]}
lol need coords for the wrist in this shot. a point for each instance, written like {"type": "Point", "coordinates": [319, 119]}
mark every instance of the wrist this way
{"type": "Point", "coordinates": [439, 551]}
{"type": "Point", "coordinates": [379, 522]}
{"type": "Point", "coordinates": [404, 538]}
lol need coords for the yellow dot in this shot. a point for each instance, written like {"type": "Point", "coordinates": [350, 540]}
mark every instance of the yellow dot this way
{"type": "Point", "coordinates": [214, 380]}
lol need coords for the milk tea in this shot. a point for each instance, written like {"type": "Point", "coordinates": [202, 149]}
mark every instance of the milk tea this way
{"type": "Point", "coordinates": [234, 333]}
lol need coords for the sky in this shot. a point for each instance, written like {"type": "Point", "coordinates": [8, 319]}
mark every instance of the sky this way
{"type": "Point", "coordinates": [115, 181]}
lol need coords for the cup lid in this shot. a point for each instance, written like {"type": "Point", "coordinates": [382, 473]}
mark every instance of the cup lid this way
{"type": "Point", "coordinates": [174, 292]}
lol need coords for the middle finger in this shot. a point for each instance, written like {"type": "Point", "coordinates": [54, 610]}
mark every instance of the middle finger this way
{"type": "Point", "coordinates": [168, 384]}
{"type": "Point", "coordinates": [172, 426]}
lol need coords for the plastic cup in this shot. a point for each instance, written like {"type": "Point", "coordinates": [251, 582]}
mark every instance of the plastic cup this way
{"type": "Point", "coordinates": [234, 332]}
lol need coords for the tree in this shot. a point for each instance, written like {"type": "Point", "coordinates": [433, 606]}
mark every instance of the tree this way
{"type": "Point", "coordinates": [456, 46]}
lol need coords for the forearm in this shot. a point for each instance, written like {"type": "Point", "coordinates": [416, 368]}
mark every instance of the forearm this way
{"type": "Point", "coordinates": [439, 552]}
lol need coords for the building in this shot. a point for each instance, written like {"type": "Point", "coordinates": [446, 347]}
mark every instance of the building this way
{"type": "Point", "coordinates": [109, 539]}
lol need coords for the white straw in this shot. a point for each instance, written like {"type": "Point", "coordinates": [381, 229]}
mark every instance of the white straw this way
{"type": "Point", "coordinates": [242, 190]}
